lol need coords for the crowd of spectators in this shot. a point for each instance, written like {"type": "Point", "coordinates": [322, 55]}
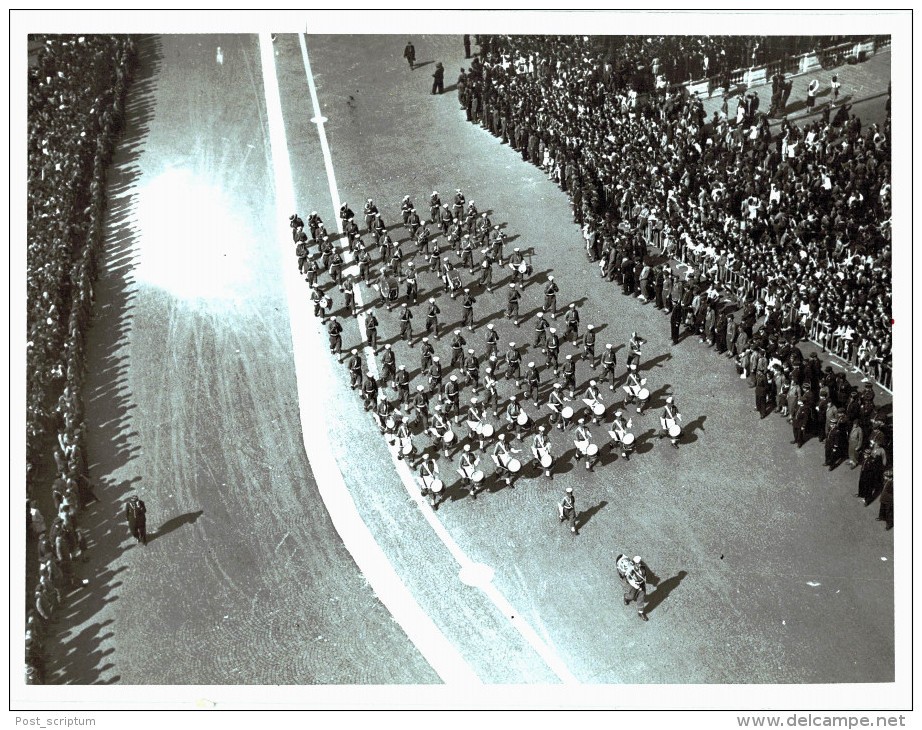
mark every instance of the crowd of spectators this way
{"type": "Point", "coordinates": [76, 91]}
{"type": "Point", "coordinates": [643, 62]}
{"type": "Point", "coordinates": [793, 227]}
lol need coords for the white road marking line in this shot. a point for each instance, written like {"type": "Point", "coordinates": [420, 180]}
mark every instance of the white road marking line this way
{"type": "Point", "coordinates": [543, 649]}
{"type": "Point", "coordinates": [306, 340]}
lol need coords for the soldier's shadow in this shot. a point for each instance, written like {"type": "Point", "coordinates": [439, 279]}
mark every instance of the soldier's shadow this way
{"type": "Point", "coordinates": [663, 589]}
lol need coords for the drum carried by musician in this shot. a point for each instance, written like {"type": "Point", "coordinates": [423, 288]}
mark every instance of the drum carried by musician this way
{"type": "Point", "coordinates": [593, 401]}
{"type": "Point", "coordinates": [669, 422]}
{"type": "Point", "coordinates": [440, 429]}
{"type": "Point", "coordinates": [620, 435]}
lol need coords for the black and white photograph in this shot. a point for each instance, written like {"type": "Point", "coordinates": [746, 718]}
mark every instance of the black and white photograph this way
{"type": "Point", "coordinates": [462, 359]}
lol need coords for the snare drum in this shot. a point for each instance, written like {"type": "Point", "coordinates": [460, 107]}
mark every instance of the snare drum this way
{"type": "Point", "coordinates": [522, 418]}
{"type": "Point", "coordinates": [486, 430]}
{"type": "Point", "coordinates": [406, 447]}
{"type": "Point", "coordinates": [391, 424]}
{"type": "Point", "coordinates": [628, 439]}
{"type": "Point", "coordinates": [592, 450]}
{"type": "Point", "coordinates": [513, 465]}
{"type": "Point", "coordinates": [643, 394]}
{"type": "Point", "coordinates": [567, 412]}
{"type": "Point", "coordinates": [675, 430]}
{"type": "Point", "coordinates": [436, 486]}
{"type": "Point", "coordinates": [546, 460]}
{"type": "Point", "coordinates": [448, 436]}
{"type": "Point", "coordinates": [477, 477]}
{"type": "Point", "coordinates": [598, 408]}
{"type": "Point", "coordinates": [523, 268]}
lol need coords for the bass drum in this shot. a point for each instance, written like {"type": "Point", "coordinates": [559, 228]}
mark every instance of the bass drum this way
{"type": "Point", "coordinates": [598, 408]}
{"type": "Point", "coordinates": [546, 460]}
{"type": "Point", "coordinates": [675, 431]}
{"type": "Point", "coordinates": [448, 437]}
{"type": "Point", "coordinates": [477, 477]}
{"type": "Point", "coordinates": [643, 394]}
{"type": "Point", "coordinates": [406, 447]}
{"type": "Point", "coordinates": [436, 486]}
{"type": "Point", "coordinates": [513, 465]}
{"type": "Point", "coordinates": [592, 450]}
{"type": "Point", "coordinates": [567, 412]}
{"type": "Point", "coordinates": [628, 439]}
{"type": "Point", "coordinates": [486, 430]}
{"type": "Point", "coordinates": [522, 418]}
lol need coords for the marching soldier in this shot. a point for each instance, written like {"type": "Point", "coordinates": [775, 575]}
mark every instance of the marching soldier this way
{"type": "Point", "coordinates": [515, 263]}
{"type": "Point", "coordinates": [426, 353]}
{"type": "Point", "coordinates": [593, 395]}
{"type": "Point", "coordinates": [541, 328]}
{"type": "Point", "coordinates": [412, 221]}
{"type": "Point", "coordinates": [532, 383]}
{"type": "Point", "coordinates": [355, 370]}
{"type": "Point", "coordinates": [467, 463]}
{"type": "Point", "coordinates": [364, 261]}
{"type": "Point", "coordinates": [489, 382]}
{"type": "Point", "coordinates": [634, 346]}
{"type": "Point", "coordinates": [452, 398]}
{"type": "Point", "coordinates": [457, 349]}
{"type": "Point", "coordinates": [620, 429]}
{"type": "Point", "coordinates": [457, 209]}
{"type": "Point", "coordinates": [541, 445]}
{"type": "Point", "coordinates": [435, 375]}
{"type": "Point", "coordinates": [421, 405]}
{"type": "Point", "coordinates": [495, 244]}
{"type": "Point", "coordinates": [445, 218]}
{"type": "Point", "coordinates": [388, 365]}
{"type": "Point", "coordinates": [432, 317]}
{"type": "Point", "coordinates": [468, 304]}
{"type": "Point", "coordinates": [609, 360]}
{"type": "Point", "coordinates": [569, 374]}
{"type": "Point", "coordinates": [550, 296]}
{"type": "Point", "coordinates": [512, 304]}
{"type": "Point", "coordinates": [501, 456]}
{"type": "Point", "coordinates": [467, 253]}
{"type": "Point", "coordinates": [486, 271]}
{"type": "Point", "coordinates": [412, 284]}
{"type": "Point", "coordinates": [552, 348]}
{"type": "Point", "coordinates": [472, 370]}
{"type": "Point", "coordinates": [513, 364]}
{"type": "Point", "coordinates": [336, 267]}
{"type": "Point", "coordinates": [435, 206]}
{"type": "Point", "coordinates": [371, 328]}
{"type": "Point", "coordinates": [335, 331]}
{"type": "Point", "coordinates": [314, 224]}
{"type": "Point", "coordinates": [345, 213]}
{"type": "Point", "coordinates": [370, 211]}
{"type": "Point", "coordinates": [312, 271]}
{"type": "Point", "coordinates": [301, 251]}
{"type": "Point", "coordinates": [405, 207]}
{"type": "Point", "coordinates": [572, 320]}
{"type": "Point", "coordinates": [369, 391]}
{"type": "Point", "coordinates": [492, 338]}
{"type": "Point", "coordinates": [440, 426]}
{"type": "Point", "coordinates": [589, 346]}
{"type": "Point", "coordinates": [379, 231]}
{"type": "Point", "coordinates": [348, 289]}
{"type": "Point", "coordinates": [556, 404]}
{"type": "Point", "coordinates": [406, 327]}
{"type": "Point", "coordinates": [136, 514]}
{"type": "Point", "coordinates": [402, 385]}
{"type": "Point", "coordinates": [582, 437]}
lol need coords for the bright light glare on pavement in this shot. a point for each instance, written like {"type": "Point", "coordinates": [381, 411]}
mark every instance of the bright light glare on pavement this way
{"type": "Point", "coordinates": [193, 244]}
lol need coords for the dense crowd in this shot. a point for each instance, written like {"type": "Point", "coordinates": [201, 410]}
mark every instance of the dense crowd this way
{"type": "Point", "coordinates": [76, 91]}
{"type": "Point", "coordinates": [792, 227]}
{"type": "Point", "coordinates": [645, 62]}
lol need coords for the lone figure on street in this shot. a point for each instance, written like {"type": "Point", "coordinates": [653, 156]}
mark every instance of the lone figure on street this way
{"type": "Point", "coordinates": [633, 575]}
{"type": "Point", "coordinates": [409, 53]}
{"type": "Point", "coordinates": [566, 509]}
{"type": "Point", "coordinates": [136, 514]}
{"type": "Point", "coordinates": [438, 79]}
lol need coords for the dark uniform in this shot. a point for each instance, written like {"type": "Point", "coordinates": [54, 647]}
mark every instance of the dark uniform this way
{"type": "Point", "coordinates": [409, 53]}
{"type": "Point", "coordinates": [406, 328]}
{"type": "Point", "coordinates": [371, 327]}
{"type": "Point", "coordinates": [550, 297]}
{"type": "Point", "coordinates": [136, 514]}
{"type": "Point", "coordinates": [512, 304]}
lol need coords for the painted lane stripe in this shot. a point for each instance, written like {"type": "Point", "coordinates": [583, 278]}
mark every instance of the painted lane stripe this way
{"type": "Point", "coordinates": [544, 650]}
{"type": "Point", "coordinates": [307, 342]}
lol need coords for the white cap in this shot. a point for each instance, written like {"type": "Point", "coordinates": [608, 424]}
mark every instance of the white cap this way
{"type": "Point", "coordinates": [569, 357]}
{"type": "Point", "coordinates": [540, 314]}
{"type": "Point", "coordinates": [435, 358]}
{"type": "Point", "coordinates": [502, 437]}
{"type": "Point", "coordinates": [432, 300]}
{"type": "Point", "coordinates": [669, 399]}
{"type": "Point", "coordinates": [470, 352]}
{"type": "Point", "coordinates": [569, 489]}
{"type": "Point", "coordinates": [490, 326]}
{"type": "Point", "coordinates": [511, 344]}
{"type": "Point", "coordinates": [633, 366]}
{"type": "Point", "coordinates": [453, 378]}
{"type": "Point", "coordinates": [387, 347]}
{"type": "Point", "coordinates": [419, 387]}
{"type": "Point", "coordinates": [553, 330]}
{"type": "Point", "coordinates": [581, 420]}
{"type": "Point", "coordinates": [457, 332]}
{"type": "Point", "coordinates": [516, 249]}
{"type": "Point", "coordinates": [550, 277]}
{"type": "Point", "coordinates": [591, 382]}
{"type": "Point", "coordinates": [617, 413]}
{"type": "Point", "coordinates": [425, 339]}
{"type": "Point", "coordinates": [589, 327]}
{"type": "Point", "coordinates": [467, 447]}
{"type": "Point", "coordinates": [608, 346]}
{"type": "Point", "coordinates": [541, 429]}
{"type": "Point", "coordinates": [637, 559]}
{"type": "Point", "coordinates": [531, 364]}
{"type": "Point", "coordinates": [474, 399]}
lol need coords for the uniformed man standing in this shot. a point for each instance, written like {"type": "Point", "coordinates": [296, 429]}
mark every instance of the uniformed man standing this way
{"type": "Point", "coordinates": [371, 328]}
{"type": "Point", "coordinates": [550, 296]}
{"type": "Point", "coordinates": [406, 327]}
{"type": "Point", "coordinates": [402, 385]}
{"type": "Point", "coordinates": [335, 331]}
{"type": "Point", "coordinates": [457, 349]}
{"type": "Point", "coordinates": [513, 364]}
{"type": "Point", "coordinates": [512, 304]}
{"type": "Point", "coordinates": [489, 382]}
{"type": "Point", "coordinates": [552, 348]}
{"type": "Point", "coordinates": [355, 370]}
{"type": "Point", "coordinates": [388, 365]}
{"type": "Point", "coordinates": [421, 405]}
{"type": "Point", "coordinates": [492, 338]}
{"type": "Point", "coordinates": [541, 328]}
{"type": "Point", "coordinates": [472, 370]}
{"type": "Point", "coordinates": [572, 320]}
{"type": "Point", "coordinates": [467, 303]}
{"type": "Point", "coordinates": [429, 471]}
{"type": "Point", "coordinates": [369, 391]}
{"type": "Point", "coordinates": [426, 353]}
{"type": "Point", "coordinates": [633, 577]}
{"type": "Point", "coordinates": [589, 346]}
{"type": "Point", "coordinates": [609, 360]}
{"type": "Point", "coordinates": [532, 383]}
{"type": "Point", "coordinates": [432, 317]}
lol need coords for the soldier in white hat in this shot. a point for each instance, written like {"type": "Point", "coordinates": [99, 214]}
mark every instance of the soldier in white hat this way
{"type": "Point", "coordinates": [633, 575]}
{"type": "Point", "coordinates": [566, 509]}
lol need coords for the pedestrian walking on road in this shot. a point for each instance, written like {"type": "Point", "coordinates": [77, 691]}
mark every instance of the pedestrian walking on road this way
{"type": "Point", "coordinates": [633, 575]}
{"type": "Point", "coordinates": [438, 79]}
{"type": "Point", "coordinates": [136, 514]}
{"type": "Point", "coordinates": [409, 53]}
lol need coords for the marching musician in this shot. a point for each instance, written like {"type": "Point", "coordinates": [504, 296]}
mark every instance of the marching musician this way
{"type": "Point", "coordinates": [467, 463]}
{"type": "Point", "coordinates": [432, 318]}
{"type": "Point", "coordinates": [467, 253]}
{"type": "Point", "coordinates": [540, 445]}
{"type": "Point", "coordinates": [348, 290]}
{"type": "Point", "coordinates": [514, 364]}
{"type": "Point", "coordinates": [364, 261]}
{"type": "Point", "coordinates": [345, 213]}
{"type": "Point", "coordinates": [435, 375]}
{"type": "Point", "coordinates": [552, 348]}
{"type": "Point", "coordinates": [369, 391]}
{"type": "Point", "coordinates": [502, 454]}
{"type": "Point", "coordinates": [457, 208]}
{"type": "Point", "coordinates": [388, 365]}
{"type": "Point", "coordinates": [435, 205]}
{"type": "Point", "coordinates": [634, 346]}
{"type": "Point", "coordinates": [371, 329]}
{"type": "Point", "coordinates": [412, 284]}
{"type": "Point", "coordinates": [583, 440]}
{"type": "Point", "coordinates": [470, 217]}
{"type": "Point", "coordinates": [486, 270]}
{"type": "Point", "coordinates": [550, 296]}
{"type": "Point", "coordinates": [589, 346]}
{"type": "Point", "coordinates": [633, 576]}
{"type": "Point", "coordinates": [405, 207]}
{"type": "Point", "coordinates": [489, 383]}
{"type": "Point", "coordinates": [381, 413]}
{"type": "Point", "coordinates": [335, 332]}
{"type": "Point", "coordinates": [492, 340]}
{"type": "Point", "coordinates": [312, 271]}
{"type": "Point", "coordinates": [541, 328]}
{"type": "Point", "coordinates": [619, 428]}
{"type": "Point", "coordinates": [566, 508]}
{"type": "Point", "coordinates": [592, 397]}
{"type": "Point", "coordinates": [426, 352]}
{"type": "Point", "coordinates": [472, 370]}
{"type": "Point", "coordinates": [370, 211]}
{"type": "Point", "coordinates": [670, 417]}
{"type": "Point", "coordinates": [378, 232]}
{"type": "Point", "coordinates": [301, 250]}
{"type": "Point", "coordinates": [440, 426]}
{"type": "Point", "coordinates": [609, 360]}
{"type": "Point", "coordinates": [314, 223]}
{"type": "Point", "coordinates": [515, 263]}
{"type": "Point", "coordinates": [555, 403]}
{"type": "Point", "coordinates": [402, 385]}
{"type": "Point", "coordinates": [633, 387]}
{"type": "Point", "coordinates": [403, 436]}
{"type": "Point", "coordinates": [572, 320]}
{"type": "Point", "coordinates": [512, 304]}
{"type": "Point", "coordinates": [495, 243]}
{"type": "Point", "coordinates": [422, 241]}
{"type": "Point", "coordinates": [457, 349]}
{"type": "Point", "coordinates": [569, 374]}
{"type": "Point", "coordinates": [474, 418]}
{"type": "Point", "coordinates": [411, 220]}
{"type": "Point", "coordinates": [453, 398]}
{"type": "Point", "coordinates": [429, 471]}
{"type": "Point", "coordinates": [355, 370]}
{"type": "Point", "coordinates": [512, 413]}
{"type": "Point", "coordinates": [467, 303]}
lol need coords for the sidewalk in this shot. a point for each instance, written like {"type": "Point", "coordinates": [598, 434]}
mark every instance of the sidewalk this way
{"type": "Point", "coordinates": [859, 81]}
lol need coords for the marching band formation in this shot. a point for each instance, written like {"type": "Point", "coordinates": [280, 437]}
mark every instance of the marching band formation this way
{"type": "Point", "coordinates": [422, 427]}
